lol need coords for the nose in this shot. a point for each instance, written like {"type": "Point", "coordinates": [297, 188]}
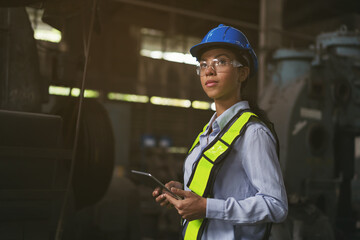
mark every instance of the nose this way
{"type": "Point", "coordinates": [210, 70]}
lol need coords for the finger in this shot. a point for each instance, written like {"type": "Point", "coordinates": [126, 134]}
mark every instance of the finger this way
{"type": "Point", "coordinates": [180, 192]}
{"type": "Point", "coordinates": [169, 184]}
{"type": "Point", "coordinates": [160, 198]}
{"type": "Point", "coordinates": [171, 199]}
{"type": "Point", "coordinates": [156, 192]}
{"type": "Point", "coordinates": [165, 203]}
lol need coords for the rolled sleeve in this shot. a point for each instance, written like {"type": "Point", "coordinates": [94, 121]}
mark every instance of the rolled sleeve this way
{"type": "Point", "coordinates": [215, 208]}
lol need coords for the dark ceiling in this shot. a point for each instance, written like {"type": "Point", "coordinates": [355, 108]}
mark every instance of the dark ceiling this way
{"type": "Point", "coordinates": [300, 12]}
{"type": "Point", "coordinates": [300, 18]}
{"type": "Point", "coordinates": [197, 17]}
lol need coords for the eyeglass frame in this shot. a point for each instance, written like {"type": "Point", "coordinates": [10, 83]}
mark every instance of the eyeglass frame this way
{"type": "Point", "coordinates": [214, 63]}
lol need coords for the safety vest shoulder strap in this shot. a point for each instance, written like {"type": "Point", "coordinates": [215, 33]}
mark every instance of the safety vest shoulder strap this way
{"type": "Point", "coordinates": [215, 152]}
{"type": "Point", "coordinates": [205, 170]}
{"type": "Point", "coordinates": [198, 138]}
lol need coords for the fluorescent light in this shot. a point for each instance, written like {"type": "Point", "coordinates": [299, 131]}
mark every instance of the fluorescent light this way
{"type": "Point", "coordinates": [200, 105]}
{"type": "Point", "coordinates": [91, 93]}
{"type": "Point", "coordinates": [151, 54]}
{"type": "Point", "coordinates": [75, 92]}
{"type": "Point", "coordinates": [189, 59]}
{"type": "Point", "coordinates": [174, 102]}
{"type": "Point", "coordinates": [61, 91]}
{"type": "Point", "coordinates": [128, 97]}
{"type": "Point", "coordinates": [169, 56]}
{"type": "Point", "coordinates": [50, 35]}
{"type": "Point", "coordinates": [170, 102]}
{"type": "Point", "coordinates": [174, 57]}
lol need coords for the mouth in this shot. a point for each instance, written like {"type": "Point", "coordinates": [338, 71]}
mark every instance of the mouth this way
{"type": "Point", "coordinates": [210, 83]}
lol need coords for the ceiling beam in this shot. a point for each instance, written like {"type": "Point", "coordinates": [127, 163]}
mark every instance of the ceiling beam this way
{"type": "Point", "coordinates": [194, 14]}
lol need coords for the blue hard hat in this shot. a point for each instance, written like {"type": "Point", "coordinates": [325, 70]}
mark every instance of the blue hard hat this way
{"type": "Point", "coordinates": [226, 36]}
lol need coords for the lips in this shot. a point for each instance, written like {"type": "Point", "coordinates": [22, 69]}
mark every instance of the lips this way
{"type": "Point", "coordinates": [210, 83]}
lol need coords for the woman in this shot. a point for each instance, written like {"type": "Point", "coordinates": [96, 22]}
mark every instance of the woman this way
{"type": "Point", "coordinates": [233, 183]}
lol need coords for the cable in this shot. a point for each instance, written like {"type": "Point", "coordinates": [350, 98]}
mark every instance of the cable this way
{"type": "Point", "coordinates": [58, 234]}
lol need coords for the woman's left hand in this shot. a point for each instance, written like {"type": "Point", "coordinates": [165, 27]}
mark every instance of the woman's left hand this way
{"type": "Point", "coordinates": [191, 207]}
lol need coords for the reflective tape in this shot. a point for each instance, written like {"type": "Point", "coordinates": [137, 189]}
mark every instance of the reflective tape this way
{"type": "Point", "coordinates": [199, 182]}
{"type": "Point", "coordinates": [192, 229]}
{"type": "Point", "coordinates": [236, 128]}
{"type": "Point", "coordinates": [202, 172]}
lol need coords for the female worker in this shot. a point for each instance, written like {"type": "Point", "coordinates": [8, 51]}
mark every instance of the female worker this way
{"type": "Point", "coordinates": [233, 182]}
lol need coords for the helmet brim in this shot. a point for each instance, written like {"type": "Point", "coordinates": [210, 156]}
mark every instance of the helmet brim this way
{"type": "Point", "coordinates": [197, 50]}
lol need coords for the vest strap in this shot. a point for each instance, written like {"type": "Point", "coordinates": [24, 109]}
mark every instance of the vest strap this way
{"type": "Point", "coordinates": [204, 172]}
{"type": "Point", "coordinates": [197, 139]}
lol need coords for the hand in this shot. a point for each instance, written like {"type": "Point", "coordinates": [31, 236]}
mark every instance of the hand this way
{"type": "Point", "coordinates": [160, 198]}
{"type": "Point", "coordinates": [191, 207]}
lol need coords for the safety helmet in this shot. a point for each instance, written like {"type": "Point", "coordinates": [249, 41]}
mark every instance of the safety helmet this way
{"type": "Point", "coordinates": [227, 36]}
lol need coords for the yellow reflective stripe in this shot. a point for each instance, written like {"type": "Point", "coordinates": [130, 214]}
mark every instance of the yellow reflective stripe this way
{"type": "Point", "coordinates": [201, 176]}
{"type": "Point", "coordinates": [215, 151]}
{"type": "Point", "coordinates": [202, 172]}
{"type": "Point", "coordinates": [192, 229]}
{"type": "Point", "coordinates": [235, 129]}
{"type": "Point", "coordinates": [197, 139]}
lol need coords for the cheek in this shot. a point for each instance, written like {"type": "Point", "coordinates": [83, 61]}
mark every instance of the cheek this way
{"type": "Point", "coordinates": [234, 80]}
{"type": "Point", "coordinates": [202, 81]}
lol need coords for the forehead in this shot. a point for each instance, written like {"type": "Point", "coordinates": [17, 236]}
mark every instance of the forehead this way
{"type": "Point", "coordinates": [217, 52]}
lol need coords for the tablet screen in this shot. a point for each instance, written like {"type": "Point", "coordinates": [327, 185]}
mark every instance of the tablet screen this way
{"type": "Point", "coordinates": [151, 181]}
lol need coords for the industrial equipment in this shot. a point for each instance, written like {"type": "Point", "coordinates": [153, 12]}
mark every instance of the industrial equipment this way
{"type": "Point", "coordinates": [314, 102]}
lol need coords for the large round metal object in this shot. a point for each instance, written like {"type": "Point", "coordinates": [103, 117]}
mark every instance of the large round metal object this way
{"type": "Point", "coordinates": [95, 151]}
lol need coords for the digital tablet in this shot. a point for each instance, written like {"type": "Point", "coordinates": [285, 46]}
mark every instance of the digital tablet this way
{"type": "Point", "coordinates": [151, 181]}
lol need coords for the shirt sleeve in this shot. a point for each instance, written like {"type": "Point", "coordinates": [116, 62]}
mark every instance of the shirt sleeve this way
{"type": "Point", "coordinates": [260, 163]}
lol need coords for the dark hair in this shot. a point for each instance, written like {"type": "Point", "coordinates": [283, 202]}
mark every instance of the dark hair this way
{"type": "Point", "coordinates": [248, 93]}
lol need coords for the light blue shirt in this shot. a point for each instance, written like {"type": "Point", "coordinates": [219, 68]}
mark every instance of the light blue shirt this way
{"type": "Point", "coordinates": [249, 190]}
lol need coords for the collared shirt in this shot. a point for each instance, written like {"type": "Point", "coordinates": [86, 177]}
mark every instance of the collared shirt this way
{"type": "Point", "coordinates": [249, 190]}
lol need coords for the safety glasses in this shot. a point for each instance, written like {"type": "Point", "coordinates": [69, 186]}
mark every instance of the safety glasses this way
{"type": "Point", "coordinates": [220, 65]}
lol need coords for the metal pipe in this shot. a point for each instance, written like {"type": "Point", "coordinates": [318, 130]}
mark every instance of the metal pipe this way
{"type": "Point", "coordinates": [5, 56]}
{"type": "Point", "coordinates": [262, 46]}
{"type": "Point", "coordinates": [190, 13]}
{"type": "Point", "coordinates": [211, 17]}
{"type": "Point", "coordinates": [59, 228]}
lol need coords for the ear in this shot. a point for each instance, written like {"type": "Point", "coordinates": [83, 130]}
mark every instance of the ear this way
{"type": "Point", "coordinates": [243, 73]}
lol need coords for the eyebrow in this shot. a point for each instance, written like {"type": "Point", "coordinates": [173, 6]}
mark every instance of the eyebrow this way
{"type": "Point", "coordinates": [219, 55]}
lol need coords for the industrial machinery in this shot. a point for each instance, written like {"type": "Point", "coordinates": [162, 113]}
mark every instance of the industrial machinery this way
{"type": "Point", "coordinates": [36, 148]}
{"type": "Point", "coordinates": [314, 102]}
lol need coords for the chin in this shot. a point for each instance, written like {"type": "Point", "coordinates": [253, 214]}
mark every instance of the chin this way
{"type": "Point", "coordinates": [211, 94]}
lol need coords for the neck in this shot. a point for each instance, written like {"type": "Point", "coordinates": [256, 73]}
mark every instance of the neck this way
{"type": "Point", "coordinates": [222, 106]}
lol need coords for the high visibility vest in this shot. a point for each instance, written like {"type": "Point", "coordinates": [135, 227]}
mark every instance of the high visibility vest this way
{"type": "Point", "coordinates": [204, 173]}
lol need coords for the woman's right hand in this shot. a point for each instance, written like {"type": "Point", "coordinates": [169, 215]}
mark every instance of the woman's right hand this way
{"type": "Point", "coordinates": [160, 197]}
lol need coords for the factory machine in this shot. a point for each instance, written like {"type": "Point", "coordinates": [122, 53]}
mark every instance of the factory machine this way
{"type": "Point", "coordinates": [314, 101]}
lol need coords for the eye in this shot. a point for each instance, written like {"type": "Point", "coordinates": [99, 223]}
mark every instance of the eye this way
{"type": "Point", "coordinates": [222, 62]}
{"type": "Point", "coordinates": [203, 65]}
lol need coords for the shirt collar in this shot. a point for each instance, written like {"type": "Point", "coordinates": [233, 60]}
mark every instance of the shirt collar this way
{"type": "Point", "coordinates": [218, 123]}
